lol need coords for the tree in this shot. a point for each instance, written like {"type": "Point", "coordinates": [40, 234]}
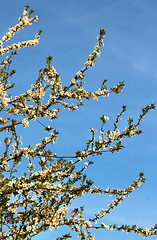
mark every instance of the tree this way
{"type": "Point", "coordinates": [40, 199]}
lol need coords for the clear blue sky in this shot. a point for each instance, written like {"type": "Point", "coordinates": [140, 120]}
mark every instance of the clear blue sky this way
{"type": "Point", "coordinates": [69, 34]}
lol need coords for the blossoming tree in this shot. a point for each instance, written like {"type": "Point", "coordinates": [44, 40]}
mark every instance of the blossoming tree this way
{"type": "Point", "coordinates": [40, 199]}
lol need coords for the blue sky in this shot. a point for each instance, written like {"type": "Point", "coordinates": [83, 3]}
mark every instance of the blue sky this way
{"type": "Point", "coordinates": [70, 29]}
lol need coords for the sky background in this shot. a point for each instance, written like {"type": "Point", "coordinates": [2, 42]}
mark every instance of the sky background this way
{"type": "Point", "coordinates": [70, 30]}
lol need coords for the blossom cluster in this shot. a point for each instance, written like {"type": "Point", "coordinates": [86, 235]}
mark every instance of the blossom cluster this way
{"type": "Point", "coordinates": [24, 20]}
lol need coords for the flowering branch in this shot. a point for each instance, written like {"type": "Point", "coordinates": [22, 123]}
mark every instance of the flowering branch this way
{"type": "Point", "coordinates": [44, 193]}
